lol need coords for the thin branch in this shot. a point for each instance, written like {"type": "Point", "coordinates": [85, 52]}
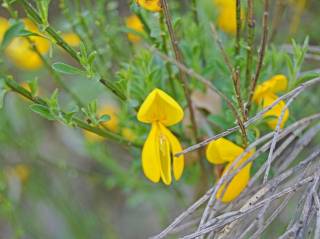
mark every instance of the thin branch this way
{"type": "Point", "coordinates": [251, 120]}
{"type": "Point", "coordinates": [276, 134]}
{"type": "Point", "coordinates": [14, 86]}
{"type": "Point", "coordinates": [263, 46]}
{"type": "Point", "coordinates": [238, 25]}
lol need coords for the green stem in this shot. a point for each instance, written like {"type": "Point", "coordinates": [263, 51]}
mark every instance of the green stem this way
{"type": "Point", "coordinates": [14, 86]}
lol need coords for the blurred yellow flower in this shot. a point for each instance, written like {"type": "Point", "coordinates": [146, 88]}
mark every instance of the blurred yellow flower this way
{"type": "Point", "coordinates": [128, 134]}
{"type": "Point", "coordinates": [4, 25]}
{"type": "Point", "coordinates": [133, 22]}
{"type": "Point", "coordinates": [151, 5]}
{"type": "Point", "coordinates": [21, 171]}
{"type": "Point", "coordinates": [224, 151]}
{"type": "Point", "coordinates": [112, 124]}
{"type": "Point", "coordinates": [160, 110]}
{"type": "Point", "coordinates": [20, 50]}
{"type": "Point", "coordinates": [71, 38]}
{"type": "Point", "coordinates": [227, 15]}
{"type": "Point", "coordinates": [266, 93]}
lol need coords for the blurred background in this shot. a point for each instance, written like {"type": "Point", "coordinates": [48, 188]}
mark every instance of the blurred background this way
{"type": "Point", "coordinates": [60, 182]}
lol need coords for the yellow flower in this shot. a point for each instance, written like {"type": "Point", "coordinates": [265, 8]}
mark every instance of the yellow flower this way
{"type": "Point", "coordinates": [133, 22]}
{"type": "Point", "coordinates": [20, 50]}
{"type": "Point", "coordinates": [224, 151]}
{"type": "Point", "coordinates": [128, 134]}
{"type": "Point", "coordinates": [71, 38]}
{"type": "Point", "coordinates": [227, 15]}
{"type": "Point", "coordinates": [151, 5]}
{"type": "Point", "coordinates": [160, 110]}
{"type": "Point", "coordinates": [112, 124]}
{"type": "Point", "coordinates": [266, 93]}
{"type": "Point", "coordinates": [21, 171]}
{"type": "Point", "coordinates": [4, 25]}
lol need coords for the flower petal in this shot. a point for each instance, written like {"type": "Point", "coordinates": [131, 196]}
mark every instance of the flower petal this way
{"type": "Point", "coordinates": [236, 186]}
{"type": "Point", "coordinates": [178, 162]}
{"type": "Point", "coordinates": [150, 156]}
{"type": "Point", "coordinates": [276, 84]}
{"type": "Point", "coordinates": [151, 5]}
{"type": "Point", "coordinates": [113, 123]}
{"type": "Point", "coordinates": [222, 150]}
{"type": "Point", "coordinates": [133, 22]}
{"type": "Point", "coordinates": [275, 111]}
{"type": "Point", "coordinates": [159, 106]}
{"type": "Point", "coordinates": [239, 181]}
{"type": "Point", "coordinates": [4, 25]}
{"type": "Point", "coordinates": [164, 155]}
{"type": "Point", "coordinates": [71, 38]}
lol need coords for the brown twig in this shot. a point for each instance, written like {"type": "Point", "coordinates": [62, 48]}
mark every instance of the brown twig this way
{"type": "Point", "coordinates": [178, 56]}
{"type": "Point", "coordinates": [184, 83]}
{"type": "Point", "coordinates": [235, 75]}
{"type": "Point", "coordinates": [262, 50]}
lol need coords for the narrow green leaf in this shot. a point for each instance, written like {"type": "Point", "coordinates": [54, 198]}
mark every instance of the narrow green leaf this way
{"type": "Point", "coordinates": [15, 30]}
{"type": "Point", "coordinates": [66, 69]}
{"type": "Point", "coordinates": [42, 110]}
{"type": "Point", "coordinates": [104, 118]}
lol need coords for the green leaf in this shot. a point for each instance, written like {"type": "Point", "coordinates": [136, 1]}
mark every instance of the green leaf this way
{"type": "Point", "coordinates": [42, 110]}
{"type": "Point", "coordinates": [3, 91]}
{"type": "Point", "coordinates": [104, 118]}
{"type": "Point", "coordinates": [15, 30]}
{"type": "Point", "coordinates": [307, 76]}
{"type": "Point", "coordinates": [66, 69]}
{"type": "Point", "coordinates": [219, 121]}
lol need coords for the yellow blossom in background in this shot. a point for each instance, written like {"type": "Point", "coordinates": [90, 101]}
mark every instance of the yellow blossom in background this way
{"type": "Point", "coordinates": [265, 93]}
{"type": "Point", "coordinates": [160, 110]}
{"type": "Point", "coordinates": [224, 151]}
{"type": "Point", "coordinates": [4, 25]}
{"type": "Point", "coordinates": [133, 22]}
{"type": "Point", "coordinates": [226, 19]}
{"type": "Point", "coordinates": [112, 124]}
{"type": "Point", "coordinates": [128, 134]}
{"type": "Point", "coordinates": [21, 171]}
{"type": "Point", "coordinates": [71, 38]}
{"type": "Point", "coordinates": [20, 50]}
{"type": "Point", "coordinates": [298, 9]}
{"type": "Point", "coordinates": [150, 5]}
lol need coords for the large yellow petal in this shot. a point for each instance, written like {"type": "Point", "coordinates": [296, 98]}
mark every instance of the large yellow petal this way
{"type": "Point", "coordinates": [275, 111]}
{"type": "Point", "coordinates": [4, 25]}
{"type": "Point", "coordinates": [222, 150]}
{"type": "Point", "coordinates": [236, 186]}
{"type": "Point", "coordinates": [20, 50]}
{"type": "Point", "coordinates": [276, 84]}
{"type": "Point", "coordinates": [150, 155]}
{"type": "Point", "coordinates": [159, 106]}
{"type": "Point", "coordinates": [133, 22]}
{"type": "Point", "coordinates": [178, 162]}
{"type": "Point", "coordinates": [41, 43]}
{"type": "Point", "coordinates": [20, 53]}
{"type": "Point", "coordinates": [227, 20]}
{"type": "Point", "coordinates": [164, 154]}
{"type": "Point", "coordinates": [238, 182]}
{"type": "Point", "coordinates": [71, 38]}
{"type": "Point", "coordinates": [150, 5]}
